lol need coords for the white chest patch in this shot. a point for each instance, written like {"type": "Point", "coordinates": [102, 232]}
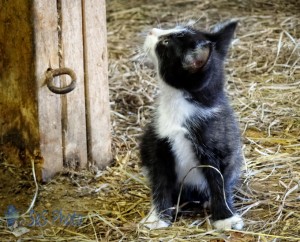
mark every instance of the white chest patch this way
{"type": "Point", "coordinates": [186, 162]}
{"type": "Point", "coordinates": [173, 110]}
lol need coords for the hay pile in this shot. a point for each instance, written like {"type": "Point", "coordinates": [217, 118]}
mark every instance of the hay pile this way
{"type": "Point", "coordinates": [263, 73]}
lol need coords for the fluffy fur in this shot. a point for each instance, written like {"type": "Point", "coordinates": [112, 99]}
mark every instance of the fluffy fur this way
{"type": "Point", "coordinates": [193, 125]}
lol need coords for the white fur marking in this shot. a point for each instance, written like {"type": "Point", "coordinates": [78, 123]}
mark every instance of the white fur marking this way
{"type": "Point", "coordinates": [145, 172]}
{"type": "Point", "coordinates": [185, 161]}
{"type": "Point", "coordinates": [161, 32]}
{"type": "Point", "coordinates": [173, 110]}
{"type": "Point", "coordinates": [234, 222]}
{"type": "Point", "coordinates": [152, 221]}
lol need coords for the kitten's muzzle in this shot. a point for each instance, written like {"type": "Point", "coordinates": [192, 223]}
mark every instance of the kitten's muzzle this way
{"type": "Point", "coordinates": [154, 32]}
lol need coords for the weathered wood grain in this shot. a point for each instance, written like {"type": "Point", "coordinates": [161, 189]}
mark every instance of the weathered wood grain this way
{"type": "Point", "coordinates": [49, 104]}
{"type": "Point", "coordinates": [36, 35]}
{"type": "Point", "coordinates": [74, 115]}
{"type": "Point", "coordinates": [96, 81]}
{"type": "Point", "coordinates": [19, 136]}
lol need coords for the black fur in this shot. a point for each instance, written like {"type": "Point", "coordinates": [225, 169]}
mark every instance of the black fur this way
{"type": "Point", "coordinates": [215, 140]}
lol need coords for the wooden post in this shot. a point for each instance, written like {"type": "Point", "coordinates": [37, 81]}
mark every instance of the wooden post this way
{"type": "Point", "coordinates": [49, 104]}
{"type": "Point", "coordinates": [96, 80]}
{"type": "Point", "coordinates": [19, 134]}
{"type": "Point", "coordinates": [74, 115]}
{"type": "Point", "coordinates": [56, 130]}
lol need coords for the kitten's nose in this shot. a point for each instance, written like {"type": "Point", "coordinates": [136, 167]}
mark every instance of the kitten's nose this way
{"type": "Point", "coordinates": [154, 31]}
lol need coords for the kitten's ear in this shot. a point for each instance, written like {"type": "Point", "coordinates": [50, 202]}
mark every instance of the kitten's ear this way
{"type": "Point", "coordinates": [195, 59]}
{"type": "Point", "coordinates": [222, 35]}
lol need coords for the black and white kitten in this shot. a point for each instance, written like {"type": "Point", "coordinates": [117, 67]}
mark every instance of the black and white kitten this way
{"type": "Point", "coordinates": [193, 125]}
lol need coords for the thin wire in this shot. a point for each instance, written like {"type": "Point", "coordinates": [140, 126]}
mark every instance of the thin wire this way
{"type": "Point", "coordinates": [181, 187]}
{"type": "Point", "coordinates": [36, 190]}
{"type": "Point", "coordinates": [33, 199]}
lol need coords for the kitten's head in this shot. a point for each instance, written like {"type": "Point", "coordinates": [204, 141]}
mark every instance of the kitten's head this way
{"type": "Point", "coordinates": [187, 58]}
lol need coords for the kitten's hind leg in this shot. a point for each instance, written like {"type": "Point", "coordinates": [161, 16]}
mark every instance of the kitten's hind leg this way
{"type": "Point", "coordinates": [158, 164]}
{"type": "Point", "coordinates": [220, 185]}
{"type": "Point", "coordinates": [153, 220]}
{"type": "Point", "coordinates": [234, 222]}
{"type": "Point", "coordinates": [230, 176]}
{"type": "Point", "coordinates": [161, 212]}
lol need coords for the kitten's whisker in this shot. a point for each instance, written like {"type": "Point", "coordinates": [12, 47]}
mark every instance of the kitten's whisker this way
{"type": "Point", "coordinates": [144, 56]}
{"type": "Point", "coordinates": [140, 50]}
{"type": "Point", "coordinates": [177, 21]}
{"type": "Point", "coordinates": [140, 55]}
{"type": "Point", "coordinates": [158, 23]}
{"type": "Point", "coordinates": [143, 34]}
{"type": "Point", "coordinates": [184, 21]}
{"type": "Point", "coordinates": [197, 20]}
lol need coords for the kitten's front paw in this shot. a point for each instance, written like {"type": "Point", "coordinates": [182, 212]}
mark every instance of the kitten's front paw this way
{"type": "Point", "coordinates": [234, 222]}
{"type": "Point", "coordinates": [152, 221]}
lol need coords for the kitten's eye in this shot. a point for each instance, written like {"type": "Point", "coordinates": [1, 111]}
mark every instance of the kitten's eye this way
{"type": "Point", "coordinates": [165, 42]}
{"type": "Point", "coordinates": [180, 35]}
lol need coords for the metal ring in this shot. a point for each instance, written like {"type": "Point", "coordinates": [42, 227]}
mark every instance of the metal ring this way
{"type": "Point", "coordinates": [51, 73]}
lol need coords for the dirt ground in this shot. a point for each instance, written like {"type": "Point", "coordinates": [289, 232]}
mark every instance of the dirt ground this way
{"type": "Point", "coordinates": [263, 73]}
